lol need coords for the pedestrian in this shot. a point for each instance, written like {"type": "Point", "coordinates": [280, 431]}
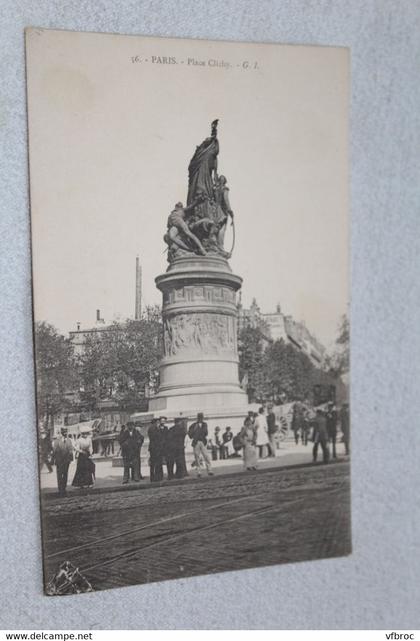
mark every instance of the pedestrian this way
{"type": "Point", "coordinates": [298, 419]}
{"type": "Point", "coordinates": [210, 448]}
{"type": "Point", "coordinates": [248, 437]}
{"type": "Point", "coordinates": [140, 441]}
{"type": "Point", "coordinates": [320, 436]}
{"type": "Point", "coordinates": [308, 414]}
{"type": "Point", "coordinates": [180, 429]}
{"type": "Point", "coordinates": [218, 441]}
{"type": "Point", "coordinates": [260, 425]}
{"type": "Point", "coordinates": [62, 457]}
{"type": "Point", "coordinates": [157, 444]}
{"type": "Point", "coordinates": [120, 438]}
{"type": "Point", "coordinates": [85, 470]}
{"type": "Point", "coordinates": [227, 436]}
{"type": "Point", "coordinates": [214, 449]}
{"type": "Point", "coordinates": [45, 451]}
{"type": "Point", "coordinates": [170, 451]}
{"type": "Point", "coordinates": [272, 429]}
{"type": "Point", "coordinates": [345, 426]}
{"type": "Point", "coordinates": [306, 426]}
{"type": "Point", "coordinates": [237, 445]}
{"type": "Point", "coordinates": [104, 447]}
{"type": "Point", "coordinates": [130, 453]}
{"type": "Point", "coordinates": [198, 434]}
{"type": "Point", "coordinates": [332, 419]}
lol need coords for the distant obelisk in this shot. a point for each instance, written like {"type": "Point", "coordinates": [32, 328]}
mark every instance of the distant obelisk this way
{"type": "Point", "coordinates": [137, 313]}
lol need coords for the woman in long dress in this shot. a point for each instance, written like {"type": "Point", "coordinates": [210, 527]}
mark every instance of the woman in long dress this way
{"type": "Point", "coordinates": [248, 437]}
{"type": "Point", "coordinates": [85, 471]}
{"type": "Point", "coordinates": [260, 425]}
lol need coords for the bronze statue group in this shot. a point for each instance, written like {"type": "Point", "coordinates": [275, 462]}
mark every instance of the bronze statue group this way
{"type": "Point", "coordinates": [200, 226]}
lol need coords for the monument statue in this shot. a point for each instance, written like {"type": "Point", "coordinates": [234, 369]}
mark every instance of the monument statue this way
{"type": "Point", "coordinates": [200, 227]}
{"type": "Point", "coordinates": [199, 368]}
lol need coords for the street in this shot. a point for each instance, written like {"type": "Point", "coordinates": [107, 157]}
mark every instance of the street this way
{"type": "Point", "coordinates": [226, 522]}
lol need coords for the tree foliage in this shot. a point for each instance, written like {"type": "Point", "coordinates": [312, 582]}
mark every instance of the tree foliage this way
{"type": "Point", "coordinates": [251, 355]}
{"type": "Point", "coordinates": [276, 370]}
{"type": "Point", "coordinates": [121, 362]}
{"type": "Point", "coordinates": [55, 371]}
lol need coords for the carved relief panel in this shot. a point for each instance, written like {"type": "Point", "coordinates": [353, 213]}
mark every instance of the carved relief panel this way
{"type": "Point", "coordinates": [202, 333]}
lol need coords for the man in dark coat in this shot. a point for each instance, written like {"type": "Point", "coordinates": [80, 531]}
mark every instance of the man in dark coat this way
{"type": "Point", "coordinates": [331, 417]}
{"type": "Point", "coordinates": [62, 457]}
{"type": "Point", "coordinates": [198, 432]}
{"type": "Point", "coordinates": [140, 441]}
{"type": "Point", "coordinates": [298, 420]}
{"type": "Point", "coordinates": [130, 453]}
{"type": "Point", "coordinates": [180, 429]}
{"type": "Point", "coordinates": [237, 445]}
{"type": "Point", "coordinates": [227, 436]}
{"type": "Point", "coordinates": [272, 429]}
{"type": "Point", "coordinates": [157, 447]}
{"type": "Point", "coordinates": [320, 436]}
{"type": "Point", "coordinates": [45, 451]}
{"type": "Point", "coordinates": [345, 426]}
{"type": "Point", "coordinates": [170, 445]}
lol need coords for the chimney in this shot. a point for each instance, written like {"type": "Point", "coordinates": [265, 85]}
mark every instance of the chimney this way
{"type": "Point", "coordinates": [98, 315]}
{"type": "Point", "coordinates": [137, 312]}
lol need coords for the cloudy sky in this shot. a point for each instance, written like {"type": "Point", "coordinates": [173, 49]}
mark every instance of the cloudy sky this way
{"type": "Point", "coordinates": [110, 142]}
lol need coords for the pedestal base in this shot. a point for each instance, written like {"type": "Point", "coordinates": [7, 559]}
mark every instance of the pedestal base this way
{"type": "Point", "coordinates": [208, 400]}
{"type": "Point", "coordinates": [232, 417]}
{"type": "Point", "coordinates": [200, 367]}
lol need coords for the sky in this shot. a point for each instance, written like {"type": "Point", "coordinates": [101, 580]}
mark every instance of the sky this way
{"type": "Point", "coordinates": [113, 124]}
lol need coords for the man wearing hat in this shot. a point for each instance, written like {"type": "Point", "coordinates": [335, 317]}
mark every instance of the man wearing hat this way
{"type": "Point", "coordinates": [157, 445]}
{"type": "Point", "coordinates": [345, 426]}
{"type": "Point", "coordinates": [198, 434]}
{"type": "Point", "coordinates": [331, 417]}
{"type": "Point", "coordinates": [180, 429]}
{"type": "Point", "coordinates": [320, 436]}
{"type": "Point", "coordinates": [62, 457]}
{"type": "Point", "coordinates": [45, 450]}
{"type": "Point", "coordinates": [218, 445]}
{"type": "Point", "coordinates": [131, 454]}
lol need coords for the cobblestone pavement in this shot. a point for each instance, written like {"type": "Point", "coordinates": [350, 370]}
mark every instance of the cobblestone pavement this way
{"type": "Point", "coordinates": [210, 525]}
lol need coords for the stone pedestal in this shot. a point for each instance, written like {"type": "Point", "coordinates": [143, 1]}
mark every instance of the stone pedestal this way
{"type": "Point", "coordinates": [199, 370]}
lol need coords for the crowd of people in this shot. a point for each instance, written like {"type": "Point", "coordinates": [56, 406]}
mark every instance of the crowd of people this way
{"type": "Point", "coordinates": [62, 451]}
{"type": "Point", "coordinates": [322, 423]}
{"type": "Point", "coordinates": [257, 439]}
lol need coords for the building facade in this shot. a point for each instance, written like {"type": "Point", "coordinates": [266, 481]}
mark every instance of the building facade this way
{"type": "Point", "coordinates": [278, 326]}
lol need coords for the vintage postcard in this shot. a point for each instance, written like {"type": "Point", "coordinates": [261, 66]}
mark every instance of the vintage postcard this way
{"type": "Point", "coordinates": [189, 213]}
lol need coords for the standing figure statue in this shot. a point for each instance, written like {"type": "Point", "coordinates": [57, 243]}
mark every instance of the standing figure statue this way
{"type": "Point", "coordinates": [202, 170]}
{"type": "Point", "coordinates": [224, 210]}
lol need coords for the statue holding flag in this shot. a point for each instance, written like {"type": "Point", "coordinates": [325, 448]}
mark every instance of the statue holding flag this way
{"type": "Point", "coordinates": [204, 219]}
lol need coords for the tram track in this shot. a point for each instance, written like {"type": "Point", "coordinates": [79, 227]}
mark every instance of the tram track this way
{"type": "Point", "coordinates": [253, 527]}
{"type": "Point", "coordinates": [185, 533]}
{"type": "Point", "coordinates": [178, 517]}
{"type": "Point", "coordinates": [142, 527]}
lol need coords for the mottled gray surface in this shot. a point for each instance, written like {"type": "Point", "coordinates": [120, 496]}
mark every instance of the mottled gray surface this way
{"type": "Point", "coordinates": [378, 585]}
